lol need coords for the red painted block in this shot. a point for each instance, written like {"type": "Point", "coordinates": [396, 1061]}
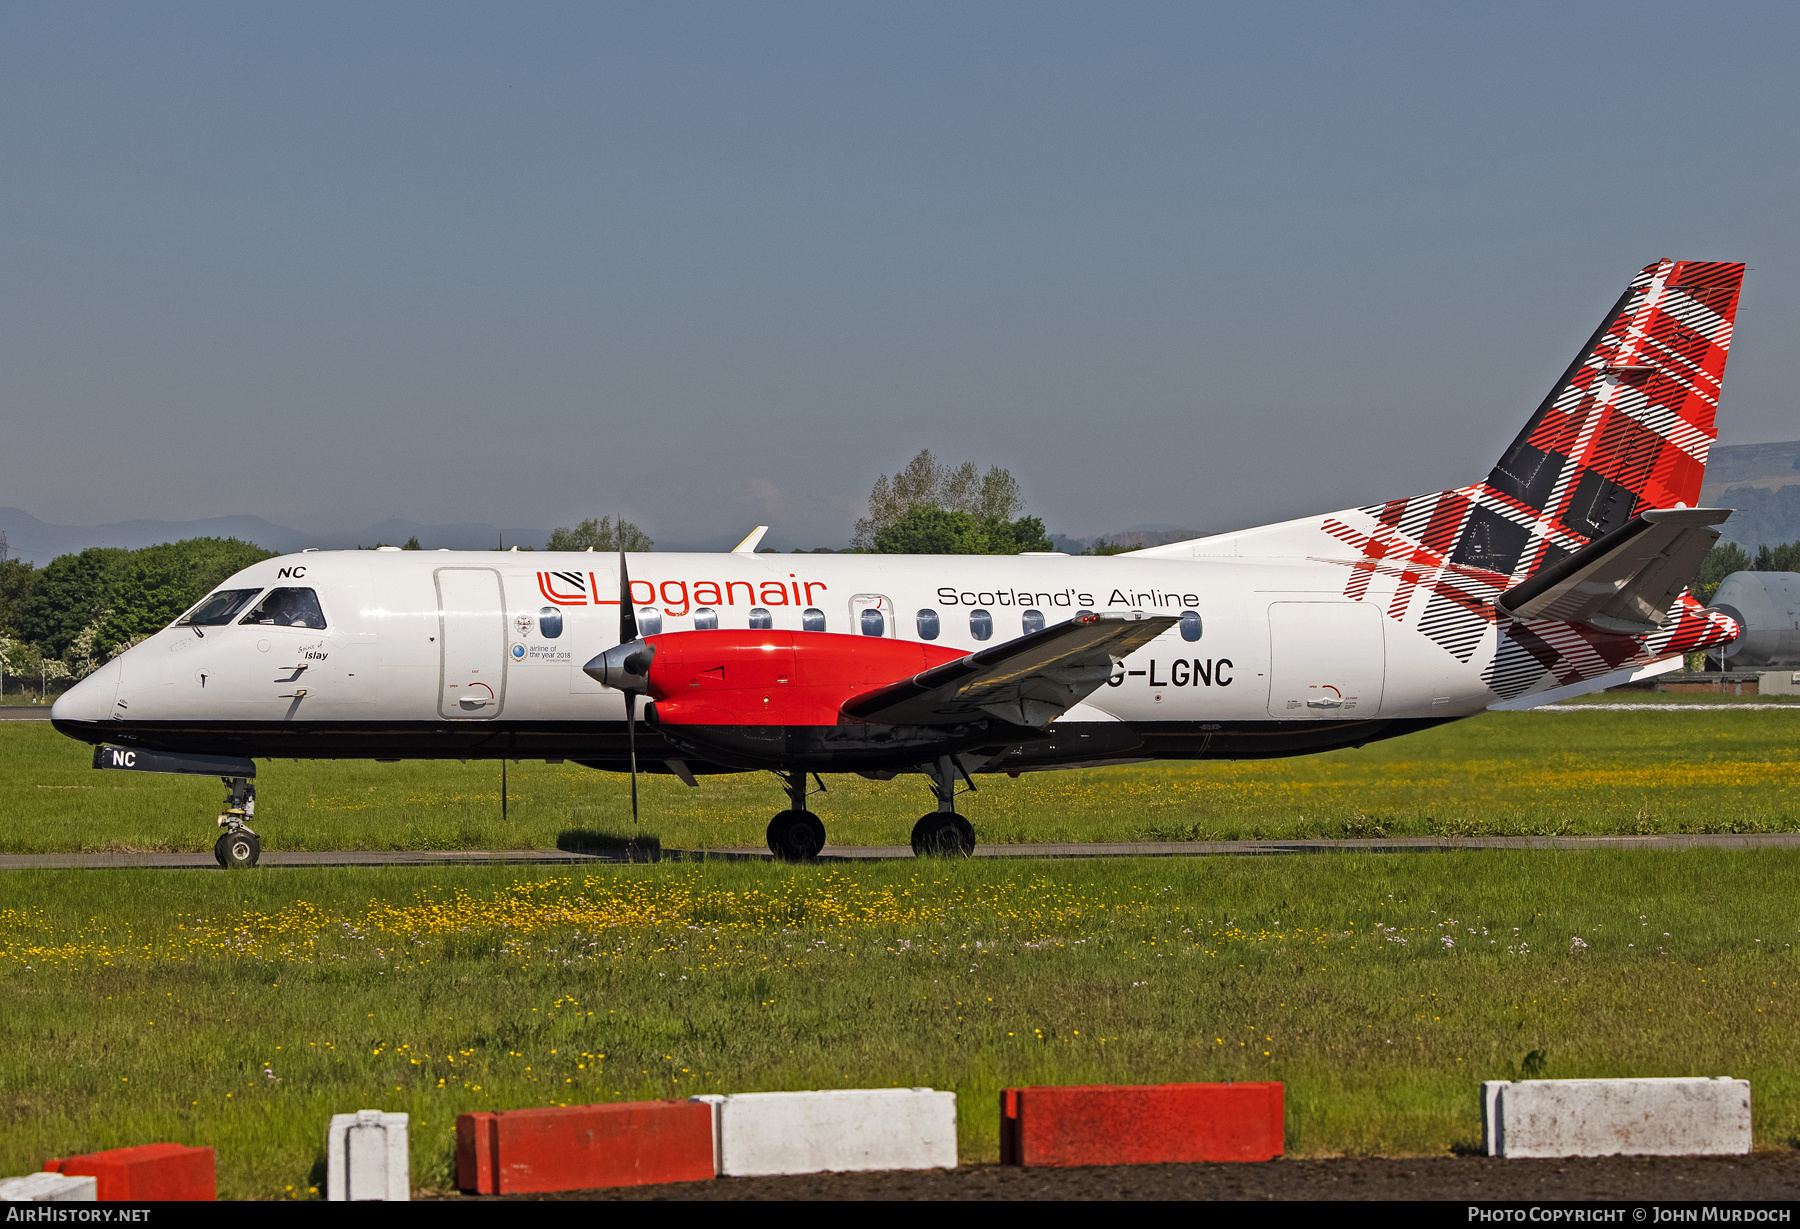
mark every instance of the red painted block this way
{"type": "Point", "coordinates": [147, 1172]}
{"type": "Point", "coordinates": [1112, 1124]}
{"type": "Point", "coordinates": [580, 1147]}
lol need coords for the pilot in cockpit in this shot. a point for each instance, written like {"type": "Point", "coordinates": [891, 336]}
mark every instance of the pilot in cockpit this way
{"type": "Point", "coordinates": [290, 608]}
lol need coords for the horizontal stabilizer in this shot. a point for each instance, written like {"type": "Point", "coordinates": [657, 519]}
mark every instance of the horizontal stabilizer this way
{"type": "Point", "coordinates": [1029, 681]}
{"type": "Point", "coordinates": [1625, 581]}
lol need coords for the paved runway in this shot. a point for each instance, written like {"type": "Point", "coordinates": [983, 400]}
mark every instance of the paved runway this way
{"type": "Point", "coordinates": [854, 853]}
{"type": "Point", "coordinates": [25, 712]}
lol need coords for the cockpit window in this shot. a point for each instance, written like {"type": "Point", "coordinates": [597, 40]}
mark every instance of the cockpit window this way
{"type": "Point", "coordinates": [289, 608]}
{"type": "Point", "coordinates": [218, 608]}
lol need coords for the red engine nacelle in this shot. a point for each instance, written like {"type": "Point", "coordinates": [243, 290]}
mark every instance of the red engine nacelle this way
{"type": "Point", "coordinates": [775, 678]}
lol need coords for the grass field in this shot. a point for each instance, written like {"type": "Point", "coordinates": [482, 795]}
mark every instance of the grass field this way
{"type": "Point", "coordinates": [241, 1010]}
{"type": "Point", "coordinates": [1502, 773]}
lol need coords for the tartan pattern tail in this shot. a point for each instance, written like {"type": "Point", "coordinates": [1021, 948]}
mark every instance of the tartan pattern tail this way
{"type": "Point", "coordinates": [1627, 427]}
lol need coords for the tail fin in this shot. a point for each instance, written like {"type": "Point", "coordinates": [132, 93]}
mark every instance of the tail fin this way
{"type": "Point", "coordinates": [1627, 428]}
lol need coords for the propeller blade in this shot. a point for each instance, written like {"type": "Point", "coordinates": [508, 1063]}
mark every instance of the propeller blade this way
{"type": "Point", "coordinates": [628, 628]}
{"type": "Point", "coordinates": [631, 743]}
{"type": "Point", "coordinates": [636, 665]}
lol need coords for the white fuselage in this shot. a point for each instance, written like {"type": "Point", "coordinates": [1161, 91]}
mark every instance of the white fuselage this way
{"type": "Point", "coordinates": [461, 637]}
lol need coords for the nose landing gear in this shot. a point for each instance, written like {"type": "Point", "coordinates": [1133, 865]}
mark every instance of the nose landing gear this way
{"type": "Point", "coordinates": [943, 832]}
{"type": "Point", "coordinates": [239, 846]}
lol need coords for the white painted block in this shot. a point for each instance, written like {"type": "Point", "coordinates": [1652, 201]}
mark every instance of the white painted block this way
{"type": "Point", "coordinates": [366, 1157]}
{"type": "Point", "coordinates": [46, 1187]}
{"type": "Point", "coordinates": [1653, 1117]}
{"type": "Point", "coordinates": [834, 1131]}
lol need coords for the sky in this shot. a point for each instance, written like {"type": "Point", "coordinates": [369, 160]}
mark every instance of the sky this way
{"type": "Point", "coordinates": [715, 265]}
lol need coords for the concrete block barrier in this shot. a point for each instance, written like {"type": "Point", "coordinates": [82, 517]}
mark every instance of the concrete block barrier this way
{"type": "Point", "coordinates": [582, 1147]}
{"type": "Point", "coordinates": [144, 1173]}
{"type": "Point", "coordinates": [1650, 1117]}
{"type": "Point", "coordinates": [1110, 1124]}
{"type": "Point", "coordinates": [367, 1157]}
{"type": "Point", "coordinates": [48, 1187]}
{"type": "Point", "coordinates": [835, 1131]}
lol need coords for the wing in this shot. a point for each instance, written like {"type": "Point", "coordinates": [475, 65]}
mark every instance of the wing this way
{"type": "Point", "coordinates": [1029, 681]}
{"type": "Point", "coordinates": [1625, 581]}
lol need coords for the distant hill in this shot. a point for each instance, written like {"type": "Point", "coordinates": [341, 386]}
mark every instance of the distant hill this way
{"type": "Point", "coordinates": [39, 542]}
{"type": "Point", "coordinates": [1761, 481]}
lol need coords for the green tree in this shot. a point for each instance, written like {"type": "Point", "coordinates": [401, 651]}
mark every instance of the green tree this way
{"type": "Point", "coordinates": [17, 578]}
{"type": "Point", "coordinates": [991, 498]}
{"type": "Point", "coordinates": [602, 535]}
{"type": "Point", "coordinates": [412, 543]}
{"type": "Point", "coordinates": [72, 593]}
{"type": "Point", "coordinates": [1103, 547]}
{"type": "Point", "coordinates": [1784, 558]}
{"type": "Point", "coordinates": [927, 530]}
{"type": "Point", "coordinates": [1720, 562]}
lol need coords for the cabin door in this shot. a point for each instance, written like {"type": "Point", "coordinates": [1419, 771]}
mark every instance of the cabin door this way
{"type": "Point", "coordinates": [471, 643]}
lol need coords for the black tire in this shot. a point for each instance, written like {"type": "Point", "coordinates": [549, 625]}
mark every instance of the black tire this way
{"type": "Point", "coordinates": [237, 849]}
{"type": "Point", "coordinates": [796, 836]}
{"type": "Point", "coordinates": [943, 834]}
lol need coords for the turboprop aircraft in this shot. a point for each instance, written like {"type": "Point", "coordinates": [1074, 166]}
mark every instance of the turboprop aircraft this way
{"type": "Point", "coordinates": [1563, 571]}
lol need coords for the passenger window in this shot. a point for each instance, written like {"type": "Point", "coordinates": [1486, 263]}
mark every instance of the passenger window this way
{"type": "Point", "coordinates": [218, 608]}
{"type": "Point", "coordinates": [872, 622]}
{"type": "Point", "coordinates": [706, 619]}
{"type": "Point", "coordinates": [649, 621]}
{"type": "Point", "coordinates": [289, 608]}
{"type": "Point", "coordinates": [1190, 625]}
{"type": "Point", "coordinates": [1033, 621]}
{"type": "Point", "coordinates": [813, 620]}
{"type": "Point", "coordinates": [928, 625]}
{"type": "Point", "coordinates": [981, 624]}
{"type": "Point", "coordinates": [760, 619]}
{"type": "Point", "coordinates": [550, 622]}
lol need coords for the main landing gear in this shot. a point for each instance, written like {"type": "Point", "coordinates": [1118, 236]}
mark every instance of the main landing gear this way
{"type": "Point", "coordinates": [796, 835]}
{"type": "Point", "coordinates": [239, 846]}
{"type": "Point", "coordinates": [943, 832]}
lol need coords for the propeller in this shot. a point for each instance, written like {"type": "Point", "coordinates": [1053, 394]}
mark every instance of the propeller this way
{"type": "Point", "coordinates": [626, 667]}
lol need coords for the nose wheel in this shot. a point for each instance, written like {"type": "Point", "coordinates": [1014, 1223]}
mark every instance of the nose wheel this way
{"type": "Point", "coordinates": [239, 846]}
{"type": "Point", "coordinates": [236, 849]}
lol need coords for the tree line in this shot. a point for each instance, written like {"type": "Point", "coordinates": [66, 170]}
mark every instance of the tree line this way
{"type": "Point", "coordinates": [62, 620]}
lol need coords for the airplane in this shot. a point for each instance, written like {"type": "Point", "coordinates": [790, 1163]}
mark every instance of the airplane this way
{"type": "Point", "coordinates": [1564, 570]}
{"type": "Point", "coordinates": [1766, 606]}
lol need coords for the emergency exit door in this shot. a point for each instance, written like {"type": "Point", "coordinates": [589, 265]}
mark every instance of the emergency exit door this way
{"type": "Point", "coordinates": [471, 643]}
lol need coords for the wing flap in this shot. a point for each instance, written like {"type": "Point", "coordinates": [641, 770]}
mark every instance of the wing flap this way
{"type": "Point", "coordinates": [1625, 581]}
{"type": "Point", "coordinates": [1029, 681]}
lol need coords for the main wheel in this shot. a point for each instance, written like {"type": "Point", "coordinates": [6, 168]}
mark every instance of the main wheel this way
{"type": "Point", "coordinates": [943, 834]}
{"type": "Point", "coordinates": [237, 849]}
{"type": "Point", "coordinates": [796, 836]}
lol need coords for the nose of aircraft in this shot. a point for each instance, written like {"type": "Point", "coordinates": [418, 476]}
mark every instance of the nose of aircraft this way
{"type": "Point", "coordinates": [92, 698]}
